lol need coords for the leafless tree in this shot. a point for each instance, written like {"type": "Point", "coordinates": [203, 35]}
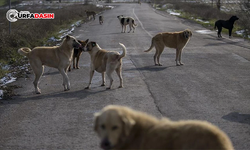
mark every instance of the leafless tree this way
{"type": "Point", "coordinates": [218, 4]}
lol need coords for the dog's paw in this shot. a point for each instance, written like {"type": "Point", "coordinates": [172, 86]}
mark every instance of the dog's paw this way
{"type": "Point", "coordinates": [121, 86]}
{"type": "Point", "coordinates": [86, 88]}
{"type": "Point", "coordinates": [108, 88]}
{"type": "Point", "coordinates": [38, 92]}
{"type": "Point", "coordinates": [103, 85]}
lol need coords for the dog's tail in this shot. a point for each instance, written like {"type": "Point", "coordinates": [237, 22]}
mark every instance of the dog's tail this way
{"type": "Point", "coordinates": [24, 51]}
{"type": "Point", "coordinates": [215, 25]}
{"type": "Point", "coordinates": [124, 51]}
{"type": "Point", "coordinates": [133, 21]}
{"type": "Point", "coordinates": [151, 47]}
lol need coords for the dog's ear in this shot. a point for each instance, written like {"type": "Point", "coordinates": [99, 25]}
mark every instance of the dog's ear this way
{"type": "Point", "coordinates": [128, 124]}
{"type": "Point", "coordinates": [185, 34]}
{"type": "Point", "coordinates": [87, 41]}
{"type": "Point", "coordinates": [93, 44]}
{"type": "Point", "coordinates": [96, 119]}
{"type": "Point", "coordinates": [67, 37]}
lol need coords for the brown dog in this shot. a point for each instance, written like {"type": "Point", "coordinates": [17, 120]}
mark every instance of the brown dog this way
{"type": "Point", "coordinates": [177, 40]}
{"type": "Point", "coordinates": [90, 14]}
{"type": "Point", "coordinates": [77, 54]}
{"type": "Point", "coordinates": [58, 57]}
{"type": "Point", "coordinates": [123, 128]}
{"type": "Point", "coordinates": [105, 61]}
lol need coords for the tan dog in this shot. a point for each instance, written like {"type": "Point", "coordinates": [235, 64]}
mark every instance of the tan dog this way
{"type": "Point", "coordinates": [123, 128]}
{"type": "Point", "coordinates": [105, 61]}
{"type": "Point", "coordinates": [177, 40]}
{"type": "Point", "coordinates": [58, 57]}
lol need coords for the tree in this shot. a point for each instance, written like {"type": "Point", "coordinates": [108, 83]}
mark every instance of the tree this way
{"type": "Point", "coordinates": [218, 5]}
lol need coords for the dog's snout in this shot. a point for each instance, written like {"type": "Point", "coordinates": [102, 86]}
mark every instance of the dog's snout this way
{"type": "Point", "coordinates": [106, 144]}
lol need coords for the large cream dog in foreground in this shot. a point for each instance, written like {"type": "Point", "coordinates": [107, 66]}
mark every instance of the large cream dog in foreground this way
{"type": "Point", "coordinates": [58, 57]}
{"type": "Point", "coordinates": [121, 128]}
{"type": "Point", "coordinates": [176, 40]}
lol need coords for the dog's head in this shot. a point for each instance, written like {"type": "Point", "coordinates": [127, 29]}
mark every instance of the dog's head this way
{"type": "Point", "coordinates": [120, 16]}
{"type": "Point", "coordinates": [71, 41]}
{"type": "Point", "coordinates": [89, 46]}
{"type": "Point", "coordinates": [83, 44]}
{"type": "Point", "coordinates": [112, 125]}
{"type": "Point", "coordinates": [233, 18]}
{"type": "Point", "coordinates": [187, 33]}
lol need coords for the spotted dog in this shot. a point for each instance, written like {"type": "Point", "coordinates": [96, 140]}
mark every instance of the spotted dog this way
{"type": "Point", "coordinates": [127, 21]}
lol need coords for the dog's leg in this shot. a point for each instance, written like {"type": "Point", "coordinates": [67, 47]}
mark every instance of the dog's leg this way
{"type": "Point", "coordinates": [118, 71]}
{"type": "Point", "coordinates": [90, 79]}
{"type": "Point", "coordinates": [155, 57]}
{"type": "Point", "coordinates": [125, 28]}
{"type": "Point", "coordinates": [158, 54]}
{"type": "Point", "coordinates": [66, 83]}
{"type": "Point", "coordinates": [219, 32]}
{"type": "Point", "coordinates": [122, 28]}
{"type": "Point", "coordinates": [38, 71]}
{"type": "Point", "coordinates": [103, 79]}
{"type": "Point", "coordinates": [74, 64]}
{"type": "Point", "coordinates": [133, 28]}
{"type": "Point", "coordinates": [129, 28]}
{"type": "Point", "coordinates": [230, 32]}
{"type": "Point", "coordinates": [77, 61]}
{"type": "Point", "coordinates": [179, 55]}
{"type": "Point", "coordinates": [109, 71]}
{"type": "Point", "coordinates": [70, 67]}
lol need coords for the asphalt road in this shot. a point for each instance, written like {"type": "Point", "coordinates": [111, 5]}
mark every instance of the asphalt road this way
{"type": "Point", "coordinates": [213, 85]}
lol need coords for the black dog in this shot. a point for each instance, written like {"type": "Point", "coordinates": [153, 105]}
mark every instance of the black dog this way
{"type": "Point", "coordinates": [228, 24]}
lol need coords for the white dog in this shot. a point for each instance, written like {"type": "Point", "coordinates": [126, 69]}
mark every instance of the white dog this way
{"type": "Point", "coordinates": [127, 21]}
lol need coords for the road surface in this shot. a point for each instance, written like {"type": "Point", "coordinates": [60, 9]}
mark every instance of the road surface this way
{"type": "Point", "coordinates": [213, 85]}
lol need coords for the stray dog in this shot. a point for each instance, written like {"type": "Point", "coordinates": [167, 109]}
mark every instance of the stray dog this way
{"type": "Point", "coordinates": [58, 57]}
{"type": "Point", "coordinates": [101, 20]}
{"type": "Point", "coordinates": [127, 21]}
{"type": "Point", "coordinates": [228, 24]}
{"type": "Point", "coordinates": [177, 40]}
{"type": "Point", "coordinates": [77, 54]}
{"type": "Point", "coordinates": [90, 13]}
{"type": "Point", "coordinates": [123, 128]}
{"type": "Point", "coordinates": [105, 61]}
